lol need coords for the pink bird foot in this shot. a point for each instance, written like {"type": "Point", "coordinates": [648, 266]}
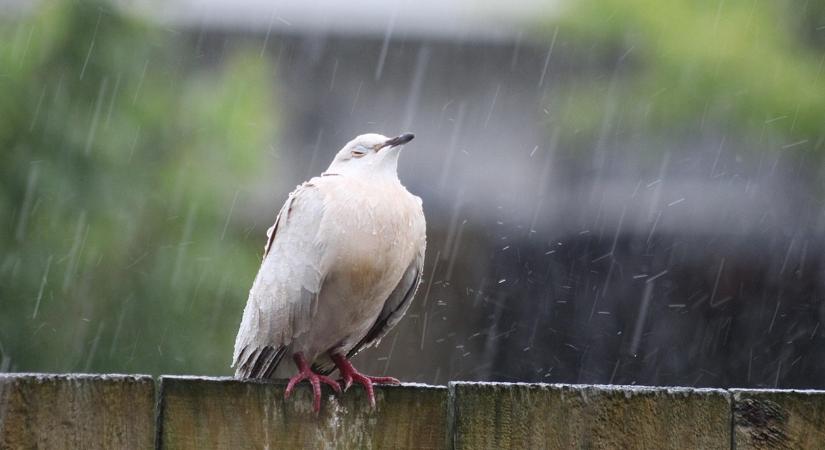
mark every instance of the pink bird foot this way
{"type": "Point", "coordinates": [349, 375]}
{"type": "Point", "coordinates": [305, 373]}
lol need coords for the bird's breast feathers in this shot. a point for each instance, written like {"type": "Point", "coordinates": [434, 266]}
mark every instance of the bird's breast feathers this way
{"type": "Point", "coordinates": [372, 231]}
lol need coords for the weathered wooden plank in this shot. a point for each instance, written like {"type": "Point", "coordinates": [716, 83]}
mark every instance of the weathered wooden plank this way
{"type": "Point", "coordinates": [518, 416]}
{"type": "Point", "coordinates": [223, 413]}
{"type": "Point", "coordinates": [778, 419]}
{"type": "Point", "coordinates": [76, 411]}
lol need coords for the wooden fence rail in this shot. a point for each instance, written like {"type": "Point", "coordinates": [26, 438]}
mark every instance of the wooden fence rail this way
{"type": "Point", "coordinates": [135, 411]}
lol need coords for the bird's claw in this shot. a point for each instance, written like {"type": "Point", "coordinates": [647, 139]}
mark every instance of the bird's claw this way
{"type": "Point", "coordinates": [368, 381]}
{"type": "Point", "coordinates": [306, 373]}
{"type": "Point", "coordinates": [350, 375]}
{"type": "Point", "coordinates": [361, 378]}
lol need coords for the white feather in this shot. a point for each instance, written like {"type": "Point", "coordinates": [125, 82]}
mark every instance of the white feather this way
{"type": "Point", "coordinates": [340, 267]}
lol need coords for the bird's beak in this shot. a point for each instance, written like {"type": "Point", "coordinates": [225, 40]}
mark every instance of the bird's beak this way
{"type": "Point", "coordinates": [399, 140]}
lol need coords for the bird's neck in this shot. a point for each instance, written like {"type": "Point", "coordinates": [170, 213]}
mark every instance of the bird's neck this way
{"type": "Point", "coordinates": [384, 169]}
{"type": "Point", "coordinates": [365, 174]}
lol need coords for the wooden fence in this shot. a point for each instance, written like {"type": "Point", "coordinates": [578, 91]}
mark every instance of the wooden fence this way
{"type": "Point", "coordinates": [126, 411]}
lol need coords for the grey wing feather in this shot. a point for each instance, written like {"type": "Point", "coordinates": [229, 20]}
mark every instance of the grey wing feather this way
{"type": "Point", "coordinates": [396, 305]}
{"type": "Point", "coordinates": [284, 295]}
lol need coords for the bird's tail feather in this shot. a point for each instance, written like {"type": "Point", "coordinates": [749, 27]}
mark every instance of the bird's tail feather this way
{"type": "Point", "coordinates": [260, 363]}
{"type": "Point", "coordinates": [323, 365]}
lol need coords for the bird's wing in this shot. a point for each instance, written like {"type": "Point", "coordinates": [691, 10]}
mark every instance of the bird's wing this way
{"type": "Point", "coordinates": [396, 304]}
{"type": "Point", "coordinates": [284, 295]}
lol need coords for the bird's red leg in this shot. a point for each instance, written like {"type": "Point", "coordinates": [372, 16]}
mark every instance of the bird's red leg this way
{"type": "Point", "coordinates": [350, 374]}
{"type": "Point", "coordinates": [305, 373]}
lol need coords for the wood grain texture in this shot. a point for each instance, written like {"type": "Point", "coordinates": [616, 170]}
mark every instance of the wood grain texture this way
{"type": "Point", "coordinates": [773, 419]}
{"type": "Point", "coordinates": [223, 413]}
{"type": "Point", "coordinates": [118, 411]}
{"type": "Point", "coordinates": [518, 416]}
{"type": "Point", "coordinates": [76, 411]}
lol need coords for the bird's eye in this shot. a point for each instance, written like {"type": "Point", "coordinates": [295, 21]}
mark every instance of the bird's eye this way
{"type": "Point", "coordinates": [358, 153]}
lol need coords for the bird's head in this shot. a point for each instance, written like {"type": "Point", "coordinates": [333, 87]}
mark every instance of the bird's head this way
{"type": "Point", "coordinates": [369, 154]}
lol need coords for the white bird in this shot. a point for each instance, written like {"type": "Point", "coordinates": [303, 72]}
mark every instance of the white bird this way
{"type": "Point", "coordinates": [340, 268]}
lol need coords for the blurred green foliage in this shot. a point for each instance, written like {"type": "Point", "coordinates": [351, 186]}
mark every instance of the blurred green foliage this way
{"type": "Point", "coordinates": [121, 159]}
{"type": "Point", "coordinates": [749, 66]}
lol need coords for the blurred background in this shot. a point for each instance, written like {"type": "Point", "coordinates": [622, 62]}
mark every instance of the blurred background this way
{"type": "Point", "coordinates": [624, 192]}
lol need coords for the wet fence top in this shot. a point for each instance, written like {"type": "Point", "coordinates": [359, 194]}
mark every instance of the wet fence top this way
{"type": "Point", "coordinates": [125, 411]}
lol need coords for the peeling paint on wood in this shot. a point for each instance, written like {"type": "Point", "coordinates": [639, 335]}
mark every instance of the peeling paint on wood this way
{"type": "Point", "coordinates": [517, 416]}
{"type": "Point", "coordinates": [225, 413]}
{"type": "Point", "coordinates": [774, 419]}
{"type": "Point", "coordinates": [76, 411]}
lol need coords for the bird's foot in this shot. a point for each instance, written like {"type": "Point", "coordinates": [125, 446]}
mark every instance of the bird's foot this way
{"type": "Point", "coordinates": [305, 373]}
{"type": "Point", "coordinates": [350, 374]}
